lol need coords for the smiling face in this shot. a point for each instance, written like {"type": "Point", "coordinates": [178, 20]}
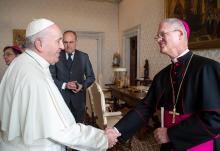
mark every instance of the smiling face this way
{"type": "Point", "coordinates": [50, 45]}
{"type": "Point", "coordinates": [171, 39]}
{"type": "Point", "coordinates": [9, 55]}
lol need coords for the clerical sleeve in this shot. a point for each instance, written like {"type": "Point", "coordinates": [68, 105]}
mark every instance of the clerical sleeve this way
{"type": "Point", "coordinates": [33, 114]}
{"type": "Point", "coordinates": [59, 125]}
{"type": "Point", "coordinates": [33, 110]}
{"type": "Point", "coordinates": [134, 119]}
{"type": "Point", "coordinates": [81, 137]}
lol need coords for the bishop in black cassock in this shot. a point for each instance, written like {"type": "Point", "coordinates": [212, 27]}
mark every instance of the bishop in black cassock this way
{"type": "Point", "coordinates": [192, 86]}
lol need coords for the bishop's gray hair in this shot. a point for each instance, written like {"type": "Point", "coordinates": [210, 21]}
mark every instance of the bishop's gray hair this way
{"type": "Point", "coordinates": [176, 24]}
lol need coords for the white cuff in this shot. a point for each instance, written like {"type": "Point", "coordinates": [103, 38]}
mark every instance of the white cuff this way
{"type": "Point", "coordinates": [116, 129]}
{"type": "Point", "coordinates": [64, 86]}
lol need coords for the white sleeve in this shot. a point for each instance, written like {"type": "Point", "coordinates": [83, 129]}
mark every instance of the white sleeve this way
{"type": "Point", "coordinates": [82, 137]}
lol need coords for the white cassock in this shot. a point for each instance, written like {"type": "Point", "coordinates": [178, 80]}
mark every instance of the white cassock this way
{"type": "Point", "coordinates": [33, 114]}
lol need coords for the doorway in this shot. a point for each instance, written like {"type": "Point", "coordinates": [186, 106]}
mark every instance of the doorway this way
{"type": "Point", "coordinates": [131, 53]}
{"type": "Point", "coordinates": [133, 60]}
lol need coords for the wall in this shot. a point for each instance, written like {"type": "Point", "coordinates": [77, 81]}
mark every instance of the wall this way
{"type": "Point", "coordinates": [82, 15]}
{"type": "Point", "coordinates": [78, 15]}
{"type": "Point", "coordinates": [148, 14]}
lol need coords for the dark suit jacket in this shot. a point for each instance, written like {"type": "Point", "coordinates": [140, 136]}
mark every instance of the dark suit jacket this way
{"type": "Point", "coordinates": [81, 71]}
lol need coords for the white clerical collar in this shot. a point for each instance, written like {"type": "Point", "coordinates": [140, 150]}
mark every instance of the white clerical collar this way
{"type": "Point", "coordinates": [182, 54]}
{"type": "Point", "coordinates": [40, 60]}
{"type": "Point", "coordinates": [72, 56]}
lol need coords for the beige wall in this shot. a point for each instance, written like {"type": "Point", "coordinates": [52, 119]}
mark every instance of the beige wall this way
{"type": "Point", "coordinates": [79, 15]}
{"type": "Point", "coordinates": [83, 15]}
{"type": "Point", "coordinates": [148, 14]}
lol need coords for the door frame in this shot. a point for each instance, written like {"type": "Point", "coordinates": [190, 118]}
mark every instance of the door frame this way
{"type": "Point", "coordinates": [127, 34]}
{"type": "Point", "coordinates": [99, 37]}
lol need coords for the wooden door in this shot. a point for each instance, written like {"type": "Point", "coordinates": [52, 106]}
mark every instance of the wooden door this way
{"type": "Point", "coordinates": [133, 60]}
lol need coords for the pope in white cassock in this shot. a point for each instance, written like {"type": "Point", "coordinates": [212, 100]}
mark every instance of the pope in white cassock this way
{"type": "Point", "coordinates": [33, 114]}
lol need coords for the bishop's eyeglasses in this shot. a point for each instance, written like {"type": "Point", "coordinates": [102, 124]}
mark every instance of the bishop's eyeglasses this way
{"type": "Point", "coordinates": [163, 34]}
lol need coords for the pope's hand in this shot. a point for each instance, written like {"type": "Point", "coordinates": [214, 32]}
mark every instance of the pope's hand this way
{"type": "Point", "coordinates": [112, 135]}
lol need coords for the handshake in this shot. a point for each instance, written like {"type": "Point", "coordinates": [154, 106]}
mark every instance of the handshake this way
{"type": "Point", "coordinates": [112, 134]}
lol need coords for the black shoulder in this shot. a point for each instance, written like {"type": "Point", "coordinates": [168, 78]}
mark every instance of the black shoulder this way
{"type": "Point", "coordinates": [201, 61]}
{"type": "Point", "coordinates": [163, 71]}
{"type": "Point", "coordinates": [83, 54]}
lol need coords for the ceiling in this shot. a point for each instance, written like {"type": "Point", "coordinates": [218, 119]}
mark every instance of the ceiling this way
{"type": "Point", "coordinates": [110, 1]}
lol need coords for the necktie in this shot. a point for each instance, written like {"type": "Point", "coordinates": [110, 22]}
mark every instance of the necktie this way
{"type": "Point", "coordinates": [69, 61]}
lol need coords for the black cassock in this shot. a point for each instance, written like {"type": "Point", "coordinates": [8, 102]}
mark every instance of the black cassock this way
{"type": "Point", "coordinates": [199, 96]}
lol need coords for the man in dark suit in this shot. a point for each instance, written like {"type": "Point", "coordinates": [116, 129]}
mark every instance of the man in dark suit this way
{"type": "Point", "coordinates": [72, 74]}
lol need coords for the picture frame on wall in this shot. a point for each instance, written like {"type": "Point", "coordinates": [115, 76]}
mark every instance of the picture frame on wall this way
{"type": "Point", "coordinates": [19, 37]}
{"type": "Point", "coordinates": [203, 17]}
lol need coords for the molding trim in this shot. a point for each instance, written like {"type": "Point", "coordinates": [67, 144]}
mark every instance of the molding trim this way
{"type": "Point", "coordinates": [127, 34]}
{"type": "Point", "coordinates": [99, 36]}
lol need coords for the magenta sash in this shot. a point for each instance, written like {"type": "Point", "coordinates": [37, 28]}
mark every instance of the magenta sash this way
{"type": "Point", "coordinates": [169, 117]}
{"type": "Point", "coordinates": [207, 146]}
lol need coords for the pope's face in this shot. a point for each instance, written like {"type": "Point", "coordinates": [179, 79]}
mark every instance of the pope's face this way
{"type": "Point", "coordinates": [52, 44]}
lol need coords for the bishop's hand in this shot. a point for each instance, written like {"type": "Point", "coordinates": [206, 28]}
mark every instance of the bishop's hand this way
{"type": "Point", "coordinates": [160, 135]}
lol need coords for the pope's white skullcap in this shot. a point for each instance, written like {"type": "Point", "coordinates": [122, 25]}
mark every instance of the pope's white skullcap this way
{"type": "Point", "coordinates": [37, 25]}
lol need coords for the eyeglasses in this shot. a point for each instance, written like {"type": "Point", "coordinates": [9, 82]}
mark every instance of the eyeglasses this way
{"type": "Point", "coordinates": [162, 34]}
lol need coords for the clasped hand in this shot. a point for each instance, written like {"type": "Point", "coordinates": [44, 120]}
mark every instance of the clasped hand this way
{"type": "Point", "coordinates": [112, 135]}
{"type": "Point", "coordinates": [74, 86]}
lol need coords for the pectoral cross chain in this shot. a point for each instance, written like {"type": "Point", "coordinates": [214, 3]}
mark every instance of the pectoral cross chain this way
{"type": "Point", "coordinates": [174, 113]}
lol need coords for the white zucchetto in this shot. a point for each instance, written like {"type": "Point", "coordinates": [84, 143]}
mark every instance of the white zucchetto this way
{"type": "Point", "coordinates": [37, 25]}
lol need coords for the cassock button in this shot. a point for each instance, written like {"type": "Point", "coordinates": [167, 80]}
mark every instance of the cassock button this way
{"type": "Point", "coordinates": [177, 64]}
